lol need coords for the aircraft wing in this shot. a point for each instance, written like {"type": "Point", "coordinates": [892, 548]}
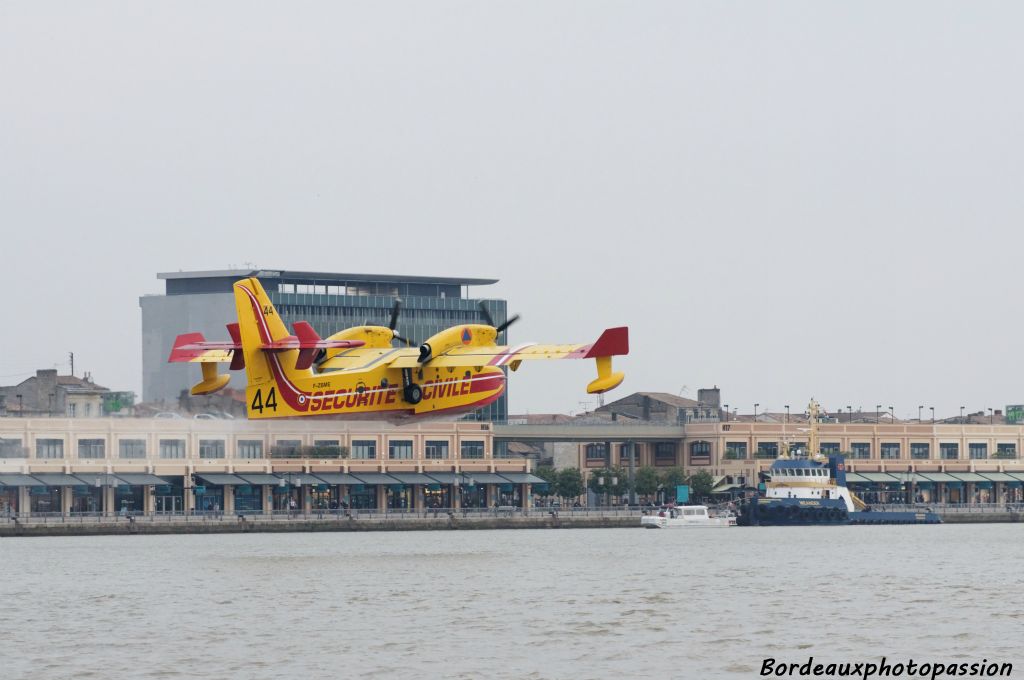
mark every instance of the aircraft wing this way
{"type": "Point", "coordinates": [613, 341]}
{"type": "Point", "coordinates": [499, 355]}
{"type": "Point", "coordinates": [368, 358]}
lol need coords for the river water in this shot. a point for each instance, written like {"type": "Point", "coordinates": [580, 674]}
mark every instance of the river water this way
{"type": "Point", "coordinates": [593, 603]}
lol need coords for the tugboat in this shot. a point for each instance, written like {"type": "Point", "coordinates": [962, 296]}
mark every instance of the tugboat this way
{"type": "Point", "coordinates": [812, 490]}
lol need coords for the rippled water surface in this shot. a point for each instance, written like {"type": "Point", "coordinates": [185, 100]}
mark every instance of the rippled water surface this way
{"type": "Point", "coordinates": [615, 603]}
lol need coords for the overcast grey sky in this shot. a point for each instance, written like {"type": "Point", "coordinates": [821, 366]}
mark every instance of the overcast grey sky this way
{"type": "Point", "coordinates": [784, 199]}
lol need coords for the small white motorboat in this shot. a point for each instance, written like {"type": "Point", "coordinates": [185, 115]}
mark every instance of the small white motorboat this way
{"type": "Point", "coordinates": [686, 517]}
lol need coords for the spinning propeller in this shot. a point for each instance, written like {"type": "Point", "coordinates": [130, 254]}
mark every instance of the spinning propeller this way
{"type": "Point", "coordinates": [394, 322]}
{"type": "Point", "coordinates": [490, 319]}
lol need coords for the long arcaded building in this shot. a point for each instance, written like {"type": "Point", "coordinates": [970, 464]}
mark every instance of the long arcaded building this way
{"type": "Point", "coordinates": [949, 463]}
{"type": "Point", "coordinates": [175, 465]}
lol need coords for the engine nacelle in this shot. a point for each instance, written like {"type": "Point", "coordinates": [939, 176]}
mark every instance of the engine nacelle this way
{"type": "Point", "coordinates": [470, 335]}
{"type": "Point", "coordinates": [371, 336]}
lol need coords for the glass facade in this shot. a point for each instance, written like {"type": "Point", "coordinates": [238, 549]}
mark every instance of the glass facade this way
{"type": "Point", "coordinates": [364, 449]}
{"type": "Point", "coordinates": [890, 451]}
{"type": "Point", "coordinates": [49, 448]}
{"type": "Point", "coordinates": [920, 450]}
{"type": "Point", "coordinates": [131, 448]}
{"type": "Point", "coordinates": [211, 448]}
{"type": "Point", "coordinates": [436, 450]}
{"type": "Point", "coordinates": [11, 447]}
{"type": "Point", "coordinates": [250, 448]}
{"type": "Point", "coordinates": [172, 448]}
{"type": "Point", "coordinates": [665, 453]}
{"type": "Point", "coordinates": [91, 448]}
{"type": "Point", "coordinates": [400, 450]}
{"type": "Point", "coordinates": [472, 450]}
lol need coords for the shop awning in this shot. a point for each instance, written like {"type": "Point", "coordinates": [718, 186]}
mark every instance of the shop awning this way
{"type": "Point", "coordinates": [445, 477]}
{"type": "Point", "coordinates": [999, 477]}
{"type": "Point", "coordinates": [141, 479]}
{"type": "Point", "coordinates": [299, 478]}
{"type": "Point", "coordinates": [969, 477]}
{"type": "Point", "coordinates": [337, 478]}
{"type": "Point", "coordinates": [412, 478]}
{"type": "Point", "coordinates": [259, 478]}
{"type": "Point", "coordinates": [222, 480]}
{"type": "Point", "coordinates": [726, 488]}
{"type": "Point", "coordinates": [19, 480]}
{"type": "Point", "coordinates": [374, 478]}
{"type": "Point", "coordinates": [1019, 476]}
{"type": "Point", "coordinates": [882, 477]}
{"type": "Point", "coordinates": [484, 478]}
{"type": "Point", "coordinates": [939, 477]}
{"type": "Point", "coordinates": [59, 480]}
{"type": "Point", "coordinates": [522, 478]}
{"type": "Point", "coordinates": [856, 478]}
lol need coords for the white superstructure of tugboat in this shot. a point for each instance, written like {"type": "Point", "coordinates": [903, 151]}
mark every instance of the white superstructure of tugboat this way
{"type": "Point", "coordinates": [687, 517]}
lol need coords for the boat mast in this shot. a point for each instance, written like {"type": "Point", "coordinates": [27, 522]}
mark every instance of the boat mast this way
{"type": "Point", "coordinates": [812, 444]}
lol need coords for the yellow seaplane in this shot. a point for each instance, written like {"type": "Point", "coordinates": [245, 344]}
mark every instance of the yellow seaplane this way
{"type": "Point", "coordinates": [357, 373]}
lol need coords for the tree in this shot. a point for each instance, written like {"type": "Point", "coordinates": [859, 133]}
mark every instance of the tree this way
{"type": "Point", "coordinates": [647, 481]}
{"type": "Point", "coordinates": [598, 480]}
{"type": "Point", "coordinates": [673, 477]}
{"type": "Point", "coordinates": [550, 475]}
{"type": "Point", "coordinates": [701, 483]}
{"type": "Point", "coordinates": [670, 479]}
{"type": "Point", "coordinates": [569, 483]}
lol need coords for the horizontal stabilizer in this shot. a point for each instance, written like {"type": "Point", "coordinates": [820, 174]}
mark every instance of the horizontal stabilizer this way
{"type": "Point", "coordinates": [194, 347]}
{"type": "Point", "coordinates": [238, 358]}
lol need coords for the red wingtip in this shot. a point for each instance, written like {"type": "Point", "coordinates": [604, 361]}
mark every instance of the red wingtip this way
{"type": "Point", "coordinates": [613, 342]}
{"type": "Point", "coordinates": [179, 351]}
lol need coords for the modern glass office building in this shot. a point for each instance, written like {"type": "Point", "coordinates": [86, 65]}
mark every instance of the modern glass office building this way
{"type": "Point", "coordinates": [203, 301]}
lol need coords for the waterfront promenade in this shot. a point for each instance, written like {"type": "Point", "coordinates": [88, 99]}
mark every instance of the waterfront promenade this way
{"type": "Point", "coordinates": [316, 520]}
{"type": "Point", "coordinates": [93, 524]}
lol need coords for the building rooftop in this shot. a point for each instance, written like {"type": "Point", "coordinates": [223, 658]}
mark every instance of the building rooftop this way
{"type": "Point", "coordinates": [321, 276]}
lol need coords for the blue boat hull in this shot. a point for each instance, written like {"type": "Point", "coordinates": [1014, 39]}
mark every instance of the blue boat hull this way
{"type": "Point", "coordinates": [827, 511]}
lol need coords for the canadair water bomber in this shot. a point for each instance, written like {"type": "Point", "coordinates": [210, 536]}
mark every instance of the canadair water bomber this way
{"type": "Point", "coordinates": [357, 373]}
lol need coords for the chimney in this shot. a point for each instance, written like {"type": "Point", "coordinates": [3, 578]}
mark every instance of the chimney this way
{"type": "Point", "coordinates": [710, 396]}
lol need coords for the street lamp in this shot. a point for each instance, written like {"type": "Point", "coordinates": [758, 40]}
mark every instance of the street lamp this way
{"type": "Point", "coordinates": [961, 415]}
{"type": "Point", "coordinates": [787, 413]}
{"type": "Point", "coordinates": [919, 413]}
{"type": "Point", "coordinates": [878, 409]}
{"type": "Point", "coordinates": [991, 416]}
{"type": "Point", "coordinates": [849, 409]}
{"type": "Point", "coordinates": [726, 412]}
{"type": "Point", "coordinates": [892, 417]}
{"type": "Point", "coordinates": [933, 414]}
{"type": "Point", "coordinates": [755, 412]}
